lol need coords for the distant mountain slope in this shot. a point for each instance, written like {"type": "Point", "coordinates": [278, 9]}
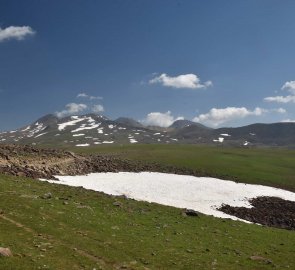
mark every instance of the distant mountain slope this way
{"type": "Point", "coordinates": [128, 122]}
{"type": "Point", "coordinates": [91, 129]}
{"type": "Point", "coordinates": [268, 134]}
{"type": "Point", "coordinates": [179, 124]}
{"type": "Point", "coordinates": [83, 130]}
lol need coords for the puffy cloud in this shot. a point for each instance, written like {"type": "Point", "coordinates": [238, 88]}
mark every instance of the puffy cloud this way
{"type": "Point", "coordinates": [15, 32]}
{"type": "Point", "coordinates": [160, 119]}
{"type": "Point", "coordinates": [216, 117]}
{"type": "Point", "coordinates": [72, 108]}
{"type": "Point", "coordinates": [97, 108]}
{"type": "Point", "coordinates": [84, 95]}
{"type": "Point", "coordinates": [190, 81]}
{"type": "Point", "coordinates": [288, 86]}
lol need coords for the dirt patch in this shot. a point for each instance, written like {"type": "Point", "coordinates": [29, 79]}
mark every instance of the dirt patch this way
{"type": "Point", "coordinates": [269, 211]}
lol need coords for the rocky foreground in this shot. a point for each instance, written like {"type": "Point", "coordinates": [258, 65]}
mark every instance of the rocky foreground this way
{"type": "Point", "coordinates": [28, 161]}
{"type": "Point", "coordinates": [269, 211]}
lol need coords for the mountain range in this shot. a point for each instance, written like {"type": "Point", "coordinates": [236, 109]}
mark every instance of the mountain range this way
{"type": "Point", "coordinates": [91, 129]}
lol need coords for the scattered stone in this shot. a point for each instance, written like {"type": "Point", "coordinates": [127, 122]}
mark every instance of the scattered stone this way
{"type": "Point", "coordinates": [47, 196]}
{"type": "Point", "coordinates": [191, 213]}
{"type": "Point", "coordinates": [5, 252]}
{"type": "Point", "coordinates": [117, 204]}
{"type": "Point", "coordinates": [21, 174]}
{"type": "Point", "coordinates": [259, 258]}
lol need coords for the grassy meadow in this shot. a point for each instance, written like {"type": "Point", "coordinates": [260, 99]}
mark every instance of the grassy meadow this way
{"type": "Point", "coordinates": [82, 229]}
{"type": "Point", "coordinates": [265, 166]}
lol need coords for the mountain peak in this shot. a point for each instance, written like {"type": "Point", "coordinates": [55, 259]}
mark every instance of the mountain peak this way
{"type": "Point", "coordinates": [178, 124]}
{"type": "Point", "coordinates": [128, 122]}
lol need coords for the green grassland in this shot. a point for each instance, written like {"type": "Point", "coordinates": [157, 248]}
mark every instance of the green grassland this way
{"type": "Point", "coordinates": [266, 166]}
{"type": "Point", "coordinates": [82, 229]}
{"type": "Point", "coordinates": [90, 232]}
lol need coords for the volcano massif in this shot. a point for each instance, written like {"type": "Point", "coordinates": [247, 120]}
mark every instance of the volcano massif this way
{"type": "Point", "coordinates": [91, 129]}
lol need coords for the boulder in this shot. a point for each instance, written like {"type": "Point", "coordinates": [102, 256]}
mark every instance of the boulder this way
{"type": "Point", "coordinates": [191, 213]}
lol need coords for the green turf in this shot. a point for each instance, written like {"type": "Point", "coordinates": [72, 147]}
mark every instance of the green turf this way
{"type": "Point", "coordinates": [267, 166]}
{"type": "Point", "coordinates": [89, 232]}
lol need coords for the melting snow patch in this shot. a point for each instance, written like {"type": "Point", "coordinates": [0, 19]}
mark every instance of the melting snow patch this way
{"type": "Point", "coordinates": [91, 120]}
{"type": "Point", "coordinates": [246, 143]}
{"type": "Point", "coordinates": [41, 134]}
{"type": "Point", "coordinates": [78, 135]}
{"type": "Point", "coordinates": [38, 128]}
{"type": "Point", "coordinates": [108, 142]}
{"type": "Point", "coordinates": [133, 141]}
{"type": "Point", "coordinates": [225, 135]}
{"type": "Point", "coordinates": [83, 144]}
{"type": "Point", "coordinates": [83, 127]}
{"type": "Point", "coordinates": [202, 194]}
{"type": "Point", "coordinates": [76, 120]}
{"type": "Point", "coordinates": [27, 128]}
{"type": "Point", "coordinates": [220, 139]}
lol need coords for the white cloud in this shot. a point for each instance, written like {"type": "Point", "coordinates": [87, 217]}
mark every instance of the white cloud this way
{"type": "Point", "coordinates": [288, 86]}
{"type": "Point", "coordinates": [279, 110]}
{"type": "Point", "coordinates": [84, 95]}
{"type": "Point", "coordinates": [280, 99]}
{"type": "Point", "coordinates": [72, 108]}
{"type": "Point", "coordinates": [160, 119]}
{"type": "Point", "coordinates": [15, 32]}
{"type": "Point", "coordinates": [288, 121]}
{"type": "Point", "coordinates": [216, 117]}
{"type": "Point", "coordinates": [97, 108]}
{"type": "Point", "coordinates": [190, 81]}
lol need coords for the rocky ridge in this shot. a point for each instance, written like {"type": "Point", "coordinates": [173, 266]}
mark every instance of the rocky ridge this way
{"type": "Point", "coordinates": [29, 161]}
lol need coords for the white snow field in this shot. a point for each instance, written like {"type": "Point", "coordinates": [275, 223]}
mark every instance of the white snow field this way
{"type": "Point", "coordinates": [202, 194]}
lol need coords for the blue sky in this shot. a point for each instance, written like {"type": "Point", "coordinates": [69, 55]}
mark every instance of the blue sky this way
{"type": "Point", "coordinates": [222, 63]}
